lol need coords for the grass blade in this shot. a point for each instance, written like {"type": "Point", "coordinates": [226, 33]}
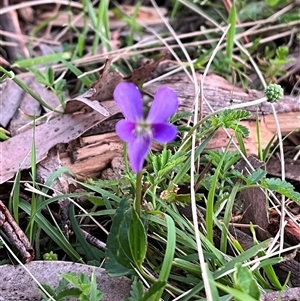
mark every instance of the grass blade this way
{"type": "Point", "coordinates": [169, 255]}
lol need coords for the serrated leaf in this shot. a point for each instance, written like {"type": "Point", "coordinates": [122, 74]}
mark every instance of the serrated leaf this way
{"type": "Point", "coordinates": [282, 187]}
{"type": "Point", "coordinates": [180, 115]}
{"type": "Point", "coordinates": [136, 292]}
{"type": "Point", "coordinates": [242, 130]}
{"type": "Point", "coordinates": [257, 176]}
{"type": "Point", "coordinates": [230, 115]}
{"type": "Point", "coordinates": [275, 183]}
{"type": "Point", "coordinates": [215, 156]}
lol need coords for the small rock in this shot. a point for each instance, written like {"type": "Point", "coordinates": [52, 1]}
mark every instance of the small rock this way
{"type": "Point", "coordinates": [17, 284]}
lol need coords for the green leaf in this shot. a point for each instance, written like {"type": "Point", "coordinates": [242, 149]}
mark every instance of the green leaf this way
{"type": "Point", "coordinates": [241, 129]}
{"type": "Point", "coordinates": [137, 239]}
{"type": "Point", "coordinates": [210, 201]}
{"type": "Point", "coordinates": [68, 293]}
{"type": "Point", "coordinates": [3, 135]}
{"type": "Point", "coordinates": [227, 216]}
{"type": "Point", "coordinates": [282, 52]}
{"type": "Point", "coordinates": [272, 3]}
{"type": "Point", "coordinates": [123, 235]}
{"type": "Point", "coordinates": [48, 289]}
{"type": "Point", "coordinates": [50, 76]}
{"type": "Point", "coordinates": [103, 192]}
{"type": "Point", "coordinates": [84, 79]}
{"type": "Point", "coordinates": [246, 255]}
{"type": "Point", "coordinates": [169, 255]}
{"type": "Point", "coordinates": [230, 115]}
{"type": "Point", "coordinates": [257, 176]}
{"type": "Point", "coordinates": [186, 166]}
{"type": "Point", "coordinates": [155, 287]}
{"type": "Point", "coordinates": [42, 60]}
{"type": "Point", "coordinates": [95, 200]}
{"type": "Point", "coordinates": [213, 288]}
{"type": "Point", "coordinates": [180, 115]}
{"type": "Point", "coordinates": [282, 187]}
{"type": "Point", "coordinates": [52, 232]}
{"type": "Point", "coordinates": [72, 278]}
{"type": "Point", "coordinates": [231, 32]}
{"type": "Point", "coordinates": [235, 293]}
{"type": "Point", "coordinates": [244, 281]}
{"type": "Point", "coordinates": [95, 294]}
{"type": "Point", "coordinates": [39, 76]}
{"type": "Point", "coordinates": [136, 291]}
{"type": "Point", "coordinates": [62, 285]}
{"type": "Point", "coordinates": [117, 261]}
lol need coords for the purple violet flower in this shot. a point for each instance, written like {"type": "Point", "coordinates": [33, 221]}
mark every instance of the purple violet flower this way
{"type": "Point", "coordinates": [138, 131]}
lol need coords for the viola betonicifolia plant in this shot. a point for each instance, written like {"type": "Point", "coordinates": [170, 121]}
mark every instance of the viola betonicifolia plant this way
{"type": "Point", "coordinates": [139, 131]}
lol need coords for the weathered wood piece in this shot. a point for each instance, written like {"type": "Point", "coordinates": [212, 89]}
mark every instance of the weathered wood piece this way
{"type": "Point", "coordinates": [221, 94]}
{"type": "Point", "coordinates": [254, 202]}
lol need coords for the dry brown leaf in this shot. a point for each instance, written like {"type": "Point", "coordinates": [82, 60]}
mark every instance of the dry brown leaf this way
{"type": "Point", "coordinates": [104, 87]}
{"type": "Point", "coordinates": [86, 113]}
{"type": "Point", "coordinates": [107, 81]}
{"type": "Point", "coordinates": [82, 103]}
{"type": "Point", "coordinates": [15, 152]}
{"type": "Point", "coordinates": [27, 108]}
{"type": "Point", "coordinates": [11, 96]}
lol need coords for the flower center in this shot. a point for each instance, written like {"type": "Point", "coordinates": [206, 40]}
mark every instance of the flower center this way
{"type": "Point", "coordinates": [143, 128]}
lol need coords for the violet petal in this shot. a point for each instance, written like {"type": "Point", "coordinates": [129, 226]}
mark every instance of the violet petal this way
{"type": "Point", "coordinates": [129, 101]}
{"type": "Point", "coordinates": [164, 132]}
{"type": "Point", "coordinates": [137, 152]}
{"type": "Point", "coordinates": [125, 130]}
{"type": "Point", "coordinates": [164, 105]}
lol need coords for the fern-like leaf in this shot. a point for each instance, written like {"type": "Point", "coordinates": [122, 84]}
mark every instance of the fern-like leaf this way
{"type": "Point", "coordinates": [282, 187]}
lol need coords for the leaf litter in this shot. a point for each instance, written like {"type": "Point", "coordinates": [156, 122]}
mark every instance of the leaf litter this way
{"type": "Point", "coordinates": [82, 113]}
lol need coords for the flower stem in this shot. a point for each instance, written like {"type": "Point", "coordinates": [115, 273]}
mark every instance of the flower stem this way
{"type": "Point", "coordinates": [138, 195]}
